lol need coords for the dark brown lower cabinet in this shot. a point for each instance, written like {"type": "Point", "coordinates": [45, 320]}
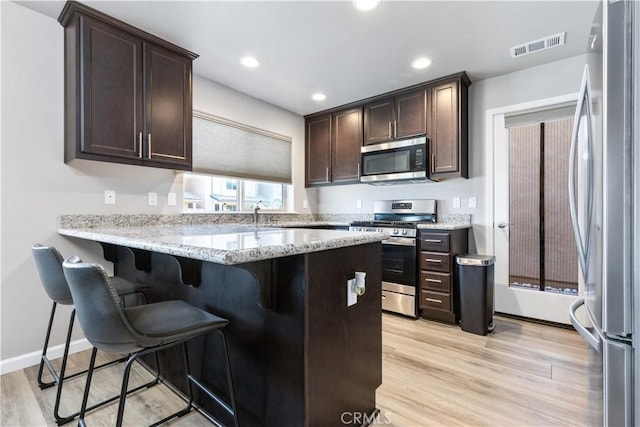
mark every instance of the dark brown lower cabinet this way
{"type": "Point", "coordinates": [439, 288]}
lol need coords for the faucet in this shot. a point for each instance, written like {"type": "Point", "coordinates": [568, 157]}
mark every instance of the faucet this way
{"type": "Point", "coordinates": [256, 208]}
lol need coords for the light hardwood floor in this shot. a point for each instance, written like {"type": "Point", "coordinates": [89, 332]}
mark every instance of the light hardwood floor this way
{"type": "Point", "coordinates": [523, 374]}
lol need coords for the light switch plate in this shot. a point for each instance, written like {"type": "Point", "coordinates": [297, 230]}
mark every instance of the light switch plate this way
{"type": "Point", "coordinates": [473, 202]}
{"type": "Point", "coordinates": [359, 204]}
{"type": "Point", "coordinates": [305, 204]}
{"type": "Point", "coordinates": [153, 199]}
{"type": "Point", "coordinates": [171, 199]}
{"type": "Point", "coordinates": [109, 197]}
{"type": "Point", "coordinates": [456, 202]}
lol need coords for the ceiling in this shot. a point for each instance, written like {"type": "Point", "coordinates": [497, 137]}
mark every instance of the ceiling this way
{"type": "Point", "coordinates": [328, 46]}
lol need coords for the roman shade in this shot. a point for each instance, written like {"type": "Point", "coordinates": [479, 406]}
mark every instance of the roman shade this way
{"type": "Point", "coordinates": [227, 148]}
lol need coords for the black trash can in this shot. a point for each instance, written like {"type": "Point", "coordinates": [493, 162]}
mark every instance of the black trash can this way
{"type": "Point", "coordinates": [475, 273]}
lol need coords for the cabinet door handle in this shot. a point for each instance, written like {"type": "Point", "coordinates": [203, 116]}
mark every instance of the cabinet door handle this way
{"type": "Point", "coordinates": [395, 128]}
{"type": "Point", "coordinates": [433, 162]}
{"type": "Point", "coordinates": [389, 130]}
{"type": "Point", "coordinates": [358, 170]}
{"type": "Point", "coordinates": [149, 153]}
{"type": "Point", "coordinates": [433, 280]}
{"type": "Point", "coordinates": [326, 174]}
{"type": "Point", "coordinates": [140, 145]}
{"type": "Point", "coordinates": [439, 261]}
{"type": "Point", "coordinates": [439, 301]}
{"type": "Point", "coordinates": [432, 241]}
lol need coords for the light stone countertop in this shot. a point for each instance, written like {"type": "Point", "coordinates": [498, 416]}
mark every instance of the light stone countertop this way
{"type": "Point", "coordinates": [443, 226]}
{"type": "Point", "coordinates": [224, 243]}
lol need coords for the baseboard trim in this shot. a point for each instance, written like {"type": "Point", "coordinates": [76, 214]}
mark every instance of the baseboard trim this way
{"type": "Point", "coordinates": [539, 321]}
{"type": "Point", "coordinates": [25, 360]}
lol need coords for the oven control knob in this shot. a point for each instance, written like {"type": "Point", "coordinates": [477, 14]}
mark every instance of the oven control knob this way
{"type": "Point", "coordinates": [404, 232]}
{"type": "Point", "coordinates": [379, 230]}
{"type": "Point", "coordinates": [395, 231]}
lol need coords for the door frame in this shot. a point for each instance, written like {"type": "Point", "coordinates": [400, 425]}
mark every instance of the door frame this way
{"type": "Point", "coordinates": [555, 306]}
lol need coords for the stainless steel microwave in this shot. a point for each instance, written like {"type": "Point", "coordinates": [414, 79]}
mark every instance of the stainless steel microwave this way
{"type": "Point", "coordinates": [400, 161]}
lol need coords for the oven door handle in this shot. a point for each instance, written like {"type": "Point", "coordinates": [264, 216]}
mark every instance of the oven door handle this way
{"type": "Point", "coordinates": [399, 241]}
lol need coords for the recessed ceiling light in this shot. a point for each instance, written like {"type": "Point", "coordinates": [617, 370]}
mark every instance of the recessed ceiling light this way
{"type": "Point", "coordinates": [365, 5]}
{"type": "Point", "coordinates": [318, 96]}
{"type": "Point", "coordinates": [249, 61]}
{"type": "Point", "coordinates": [420, 63]}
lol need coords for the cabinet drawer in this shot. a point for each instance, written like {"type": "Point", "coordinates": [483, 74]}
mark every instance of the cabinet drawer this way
{"type": "Point", "coordinates": [435, 300]}
{"type": "Point", "coordinates": [435, 242]}
{"type": "Point", "coordinates": [435, 261]}
{"type": "Point", "coordinates": [435, 281]}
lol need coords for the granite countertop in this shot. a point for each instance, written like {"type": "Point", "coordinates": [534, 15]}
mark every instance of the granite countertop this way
{"type": "Point", "coordinates": [443, 226]}
{"type": "Point", "coordinates": [224, 243]}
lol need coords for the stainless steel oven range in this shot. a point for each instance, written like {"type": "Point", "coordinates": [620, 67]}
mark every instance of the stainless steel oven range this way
{"type": "Point", "coordinates": [399, 219]}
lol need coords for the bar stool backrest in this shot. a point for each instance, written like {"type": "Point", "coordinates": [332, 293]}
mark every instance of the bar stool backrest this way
{"type": "Point", "coordinates": [49, 264]}
{"type": "Point", "coordinates": [99, 308]}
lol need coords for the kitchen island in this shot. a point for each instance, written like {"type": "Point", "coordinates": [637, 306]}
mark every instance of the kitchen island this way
{"type": "Point", "coordinates": [300, 356]}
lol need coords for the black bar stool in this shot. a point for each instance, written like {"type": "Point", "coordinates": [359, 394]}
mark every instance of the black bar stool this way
{"type": "Point", "coordinates": [49, 264]}
{"type": "Point", "coordinates": [140, 330]}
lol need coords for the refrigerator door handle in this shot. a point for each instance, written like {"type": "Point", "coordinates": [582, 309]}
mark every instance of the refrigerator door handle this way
{"type": "Point", "coordinates": [583, 107]}
{"type": "Point", "coordinates": [592, 339]}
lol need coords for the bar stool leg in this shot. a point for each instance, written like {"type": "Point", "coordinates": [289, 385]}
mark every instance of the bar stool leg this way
{"type": "Point", "coordinates": [123, 390]}
{"type": "Point", "coordinates": [60, 420]}
{"type": "Point", "coordinates": [41, 383]}
{"type": "Point", "coordinates": [232, 396]}
{"type": "Point", "coordinates": [85, 397]}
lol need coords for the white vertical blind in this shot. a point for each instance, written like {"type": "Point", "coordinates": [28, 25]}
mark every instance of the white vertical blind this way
{"type": "Point", "coordinates": [524, 203]}
{"type": "Point", "coordinates": [227, 148]}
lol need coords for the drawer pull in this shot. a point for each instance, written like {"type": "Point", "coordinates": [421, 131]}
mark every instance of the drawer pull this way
{"type": "Point", "coordinates": [439, 261]}
{"type": "Point", "coordinates": [433, 280]}
{"type": "Point", "coordinates": [433, 240]}
{"type": "Point", "coordinates": [439, 301]}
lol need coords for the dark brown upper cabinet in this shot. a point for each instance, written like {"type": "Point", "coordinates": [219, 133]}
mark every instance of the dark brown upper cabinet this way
{"type": "Point", "coordinates": [396, 117]}
{"type": "Point", "coordinates": [448, 128]}
{"type": "Point", "coordinates": [333, 144]}
{"type": "Point", "coordinates": [318, 150]}
{"type": "Point", "coordinates": [128, 94]}
{"type": "Point", "coordinates": [346, 141]}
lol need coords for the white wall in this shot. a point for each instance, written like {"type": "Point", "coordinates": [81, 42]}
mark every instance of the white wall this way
{"type": "Point", "coordinates": [545, 81]}
{"type": "Point", "coordinates": [37, 186]}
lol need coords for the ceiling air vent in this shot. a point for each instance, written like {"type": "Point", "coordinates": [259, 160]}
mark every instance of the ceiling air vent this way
{"type": "Point", "coordinates": [537, 45]}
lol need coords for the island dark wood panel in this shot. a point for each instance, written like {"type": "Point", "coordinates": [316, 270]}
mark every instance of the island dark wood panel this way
{"type": "Point", "coordinates": [299, 355]}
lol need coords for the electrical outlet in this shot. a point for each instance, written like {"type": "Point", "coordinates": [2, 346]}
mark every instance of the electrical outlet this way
{"type": "Point", "coordinates": [473, 202]}
{"type": "Point", "coordinates": [171, 199]}
{"type": "Point", "coordinates": [352, 297]}
{"type": "Point", "coordinates": [305, 204]}
{"type": "Point", "coordinates": [456, 202]}
{"type": "Point", "coordinates": [109, 197]}
{"type": "Point", "coordinates": [153, 199]}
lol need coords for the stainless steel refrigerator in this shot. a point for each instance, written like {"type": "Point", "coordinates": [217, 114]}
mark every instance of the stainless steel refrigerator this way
{"type": "Point", "coordinates": [604, 189]}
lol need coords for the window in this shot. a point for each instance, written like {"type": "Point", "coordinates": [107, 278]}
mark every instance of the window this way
{"type": "Point", "coordinates": [206, 193]}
